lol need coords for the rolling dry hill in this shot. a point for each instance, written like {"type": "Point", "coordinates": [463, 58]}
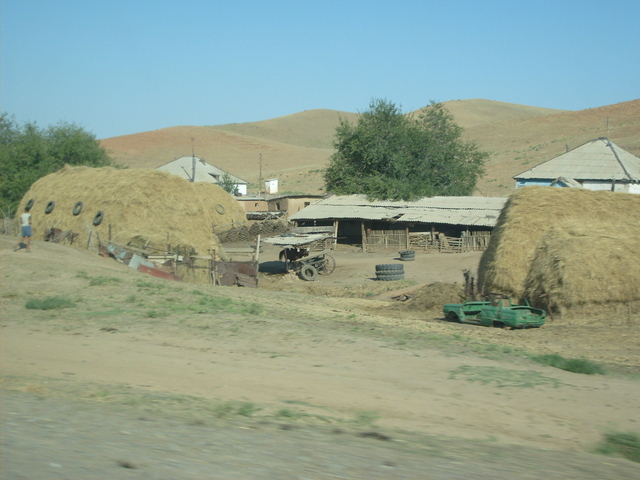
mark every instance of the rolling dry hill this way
{"type": "Point", "coordinates": [295, 148]}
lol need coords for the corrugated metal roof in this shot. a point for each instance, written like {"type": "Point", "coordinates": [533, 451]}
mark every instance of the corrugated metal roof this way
{"type": "Point", "coordinates": [479, 211]}
{"type": "Point", "coordinates": [290, 240]}
{"type": "Point", "coordinates": [596, 160]}
{"type": "Point", "coordinates": [205, 172]}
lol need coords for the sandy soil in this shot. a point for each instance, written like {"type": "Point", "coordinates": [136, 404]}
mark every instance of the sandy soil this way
{"type": "Point", "coordinates": [145, 378]}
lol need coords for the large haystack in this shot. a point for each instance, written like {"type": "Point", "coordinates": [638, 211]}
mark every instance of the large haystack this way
{"type": "Point", "coordinates": [563, 248]}
{"type": "Point", "coordinates": [140, 206]}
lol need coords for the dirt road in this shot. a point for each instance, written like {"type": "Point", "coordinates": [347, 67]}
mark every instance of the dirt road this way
{"type": "Point", "coordinates": [144, 378]}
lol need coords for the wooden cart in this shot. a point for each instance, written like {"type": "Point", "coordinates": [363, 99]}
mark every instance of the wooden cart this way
{"type": "Point", "coordinates": [306, 255]}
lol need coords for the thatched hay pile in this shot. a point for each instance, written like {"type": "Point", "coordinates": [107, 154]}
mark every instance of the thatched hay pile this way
{"type": "Point", "coordinates": [141, 206]}
{"type": "Point", "coordinates": [566, 249]}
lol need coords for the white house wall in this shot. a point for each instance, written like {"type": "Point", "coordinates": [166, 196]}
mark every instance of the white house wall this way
{"type": "Point", "coordinates": [595, 185]}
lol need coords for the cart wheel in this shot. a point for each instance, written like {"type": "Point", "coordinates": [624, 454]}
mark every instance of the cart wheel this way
{"type": "Point", "coordinates": [328, 265]}
{"type": "Point", "coordinates": [308, 272]}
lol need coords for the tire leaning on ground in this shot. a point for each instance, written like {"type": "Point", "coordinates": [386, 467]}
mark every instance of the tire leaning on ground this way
{"type": "Point", "coordinates": [308, 273]}
{"type": "Point", "coordinates": [77, 208]}
{"type": "Point", "coordinates": [97, 220]}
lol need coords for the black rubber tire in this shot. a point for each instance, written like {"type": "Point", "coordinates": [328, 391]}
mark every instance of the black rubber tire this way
{"type": "Point", "coordinates": [97, 220]}
{"type": "Point", "coordinates": [407, 255]}
{"type": "Point", "coordinates": [390, 278]}
{"type": "Point", "coordinates": [389, 272]}
{"type": "Point", "coordinates": [29, 204]}
{"type": "Point", "coordinates": [389, 267]}
{"type": "Point", "coordinates": [308, 273]}
{"type": "Point", "coordinates": [77, 208]}
{"type": "Point", "coordinates": [452, 317]}
{"type": "Point", "coordinates": [50, 206]}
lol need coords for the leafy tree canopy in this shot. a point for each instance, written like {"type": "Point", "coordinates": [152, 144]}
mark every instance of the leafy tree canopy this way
{"type": "Point", "coordinates": [28, 153]}
{"type": "Point", "coordinates": [227, 184]}
{"type": "Point", "coordinates": [388, 155]}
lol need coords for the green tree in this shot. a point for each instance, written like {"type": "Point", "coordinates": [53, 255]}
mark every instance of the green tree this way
{"type": "Point", "coordinates": [227, 184]}
{"type": "Point", "coordinates": [28, 153]}
{"type": "Point", "coordinates": [388, 155]}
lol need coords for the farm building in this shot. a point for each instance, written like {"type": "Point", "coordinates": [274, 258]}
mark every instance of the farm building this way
{"type": "Point", "coordinates": [268, 205]}
{"type": "Point", "coordinates": [568, 251]}
{"type": "Point", "coordinates": [429, 224]}
{"type": "Point", "coordinates": [196, 169]}
{"type": "Point", "coordinates": [597, 165]}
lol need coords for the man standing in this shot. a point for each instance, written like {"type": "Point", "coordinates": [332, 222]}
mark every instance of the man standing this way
{"type": "Point", "coordinates": [25, 222]}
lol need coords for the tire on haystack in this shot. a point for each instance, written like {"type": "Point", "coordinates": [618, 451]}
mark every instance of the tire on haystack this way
{"type": "Point", "coordinates": [157, 207]}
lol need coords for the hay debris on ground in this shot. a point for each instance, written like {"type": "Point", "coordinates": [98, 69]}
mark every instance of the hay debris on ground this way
{"type": "Point", "coordinates": [562, 248]}
{"type": "Point", "coordinates": [140, 206]}
{"type": "Point", "coordinates": [434, 295]}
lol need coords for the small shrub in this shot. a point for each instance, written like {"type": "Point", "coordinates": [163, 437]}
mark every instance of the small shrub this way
{"type": "Point", "coordinates": [366, 417]}
{"type": "Point", "coordinates": [149, 285]}
{"type": "Point", "coordinates": [288, 413]}
{"type": "Point", "coordinates": [99, 281]}
{"type": "Point", "coordinates": [247, 409]}
{"type": "Point", "coordinates": [575, 365]}
{"type": "Point", "coordinates": [227, 409]}
{"type": "Point", "coordinates": [626, 445]}
{"type": "Point", "coordinates": [253, 309]}
{"type": "Point", "coordinates": [49, 303]}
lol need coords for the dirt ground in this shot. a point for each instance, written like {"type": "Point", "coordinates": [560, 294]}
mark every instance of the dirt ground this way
{"type": "Point", "coordinates": [145, 378]}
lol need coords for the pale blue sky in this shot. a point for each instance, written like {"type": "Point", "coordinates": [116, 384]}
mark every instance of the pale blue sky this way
{"type": "Point", "coordinates": [125, 66]}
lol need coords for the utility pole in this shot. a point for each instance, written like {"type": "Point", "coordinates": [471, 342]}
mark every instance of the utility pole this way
{"type": "Point", "coordinates": [260, 178]}
{"type": "Point", "coordinates": [193, 162]}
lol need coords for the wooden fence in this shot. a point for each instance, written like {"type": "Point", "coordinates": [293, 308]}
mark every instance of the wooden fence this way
{"type": "Point", "coordinates": [376, 240]}
{"type": "Point", "coordinates": [438, 242]}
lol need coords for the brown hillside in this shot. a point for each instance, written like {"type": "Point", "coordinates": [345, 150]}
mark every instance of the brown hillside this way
{"type": "Point", "coordinates": [477, 112]}
{"type": "Point", "coordinates": [238, 154]}
{"type": "Point", "coordinates": [311, 128]}
{"type": "Point", "coordinates": [296, 147]}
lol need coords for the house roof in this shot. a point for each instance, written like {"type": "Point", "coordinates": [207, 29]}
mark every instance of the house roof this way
{"type": "Point", "coordinates": [479, 211]}
{"type": "Point", "coordinates": [204, 172]}
{"type": "Point", "coordinates": [598, 159]}
{"type": "Point", "coordinates": [567, 182]}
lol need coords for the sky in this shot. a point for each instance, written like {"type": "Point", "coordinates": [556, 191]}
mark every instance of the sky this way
{"type": "Point", "coordinates": [120, 67]}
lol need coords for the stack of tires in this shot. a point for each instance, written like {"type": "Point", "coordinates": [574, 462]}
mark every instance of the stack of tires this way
{"type": "Point", "coordinates": [407, 255]}
{"type": "Point", "coordinates": [390, 272]}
